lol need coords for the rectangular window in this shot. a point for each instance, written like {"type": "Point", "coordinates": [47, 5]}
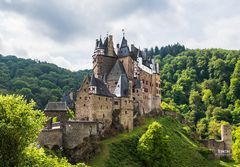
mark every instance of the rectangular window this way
{"type": "Point", "coordinates": [116, 103]}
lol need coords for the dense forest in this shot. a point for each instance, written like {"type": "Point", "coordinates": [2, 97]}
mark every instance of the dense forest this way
{"type": "Point", "coordinates": [203, 85]}
{"type": "Point", "coordinates": [37, 80]}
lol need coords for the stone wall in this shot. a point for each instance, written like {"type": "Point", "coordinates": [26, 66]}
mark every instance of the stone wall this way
{"type": "Point", "coordinates": [76, 131]}
{"type": "Point", "coordinates": [128, 64]}
{"type": "Point", "coordinates": [93, 107]}
{"type": "Point", "coordinates": [83, 101]}
{"type": "Point", "coordinates": [69, 135]}
{"type": "Point", "coordinates": [102, 65]}
{"type": "Point", "coordinates": [61, 115]}
{"type": "Point", "coordinates": [221, 148]}
{"type": "Point", "coordinates": [214, 145]}
{"type": "Point", "coordinates": [101, 108]}
{"type": "Point", "coordinates": [50, 138]}
{"type": "Point", "coordinates": [126, 114]}
{"type": "Point", "coordinates": [226, 136]}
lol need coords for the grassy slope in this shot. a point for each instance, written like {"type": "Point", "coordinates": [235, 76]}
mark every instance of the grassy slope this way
{"type": "Point", "coordinates": [121, 150]}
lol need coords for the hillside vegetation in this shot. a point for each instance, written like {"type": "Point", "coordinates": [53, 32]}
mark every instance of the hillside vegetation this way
{"type": "Point", "coordinates": [203, 85]}
{"type": "Point", "coordinates": [37, 80]}
{"type": "Point", "coordinates": [122, 150]}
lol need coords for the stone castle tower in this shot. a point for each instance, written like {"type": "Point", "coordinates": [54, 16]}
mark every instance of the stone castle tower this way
{"type": "Point", "coordinates": [226, 136]}
{"type": "Point", "coordinates": [103, 57]}
{"type": "Point", "coordinates": [125, 83]}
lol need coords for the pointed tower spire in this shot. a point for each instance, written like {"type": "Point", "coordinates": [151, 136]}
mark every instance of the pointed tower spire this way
{"type": "Point", "coordinates": [124, 50]}
{"type": "Point", "coordinates": [100, 44]}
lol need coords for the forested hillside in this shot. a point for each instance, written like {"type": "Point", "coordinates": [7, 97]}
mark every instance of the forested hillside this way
{"type": "Point", "coordinates": [122, 150]}
{"type": "Point", "coordinates": [204, 85]}
{"type": "Point", "coordinates": [37, 80]}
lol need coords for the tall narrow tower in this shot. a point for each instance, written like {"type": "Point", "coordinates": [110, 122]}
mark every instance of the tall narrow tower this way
{"type": "Point", "coordinates": [226, 134]}
{"type": "Point", "coordinates": [104, 57]}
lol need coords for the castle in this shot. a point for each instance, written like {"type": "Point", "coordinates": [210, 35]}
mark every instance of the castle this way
{"type": "Point", "coordinates": [124, 81]}
{"type": "Point", "coordinates": [125, 84]}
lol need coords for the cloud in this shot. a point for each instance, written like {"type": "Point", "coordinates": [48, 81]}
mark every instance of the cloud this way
{"type": "Point", "coordinates": [64, 31]}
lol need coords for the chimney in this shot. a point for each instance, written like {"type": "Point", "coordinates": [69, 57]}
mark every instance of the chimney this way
{"type": "Point", "coordinates": [110, 46]}
{"type": "Point", "coordinates": [158, 68]}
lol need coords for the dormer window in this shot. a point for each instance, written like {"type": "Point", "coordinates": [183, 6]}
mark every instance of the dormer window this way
{"type": "Point", "coordinates": [92, 90]}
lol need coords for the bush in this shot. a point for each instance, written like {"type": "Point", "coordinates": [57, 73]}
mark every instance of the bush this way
{"type": "Point", "coordinates": [20, 125]}
{"type": "Point", "coordinates": [153, 147]}
{"type": "Point", "coordinates": [34, 157]}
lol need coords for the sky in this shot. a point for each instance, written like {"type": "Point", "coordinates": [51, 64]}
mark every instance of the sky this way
{"type": "Point", "coordinates": [64, 32]}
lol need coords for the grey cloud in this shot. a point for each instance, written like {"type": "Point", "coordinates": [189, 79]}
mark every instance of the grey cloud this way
{"type": "Point", "coordinates": [61, 20]}
{"type": "Point", "coordinates": [69, 20]}
{"type": "Point", "coordinates": [72, 25]}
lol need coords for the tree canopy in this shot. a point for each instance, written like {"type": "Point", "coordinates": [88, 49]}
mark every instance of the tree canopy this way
{"type": "Point", "coordinates": [20, 125]}
{"type": "Point", "coordinates": [37, 80]}
{"type": "Point", "coordinates": [153, 147]}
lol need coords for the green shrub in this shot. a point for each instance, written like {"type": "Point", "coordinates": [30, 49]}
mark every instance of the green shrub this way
{"type": "Point", "coordinates": [153, 147]}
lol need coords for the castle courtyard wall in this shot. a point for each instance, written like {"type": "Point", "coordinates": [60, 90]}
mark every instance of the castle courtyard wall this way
{"type": "Point", "coordinates": [76, 131]}
{"type": "Point", "coordinates": [49, 138]}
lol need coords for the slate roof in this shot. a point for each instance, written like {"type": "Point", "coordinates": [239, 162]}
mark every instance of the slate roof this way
{"type": "Point", "coordinates": [122, 86]}
{"type": "Point", "coordinates": [56, 106]}
{"type": "Point", "coordinates": [100, 85]}
{"type": "Point", "coordinates": [116, 71]}
{"type": "Point", "coordinates": [105, 45]}
{"type": "Point", "coordinates": [100, 44]}
{"type": "Point", "coordinates": [124, 50]}
{"type": "Point", "coordinates": [93, 81]}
